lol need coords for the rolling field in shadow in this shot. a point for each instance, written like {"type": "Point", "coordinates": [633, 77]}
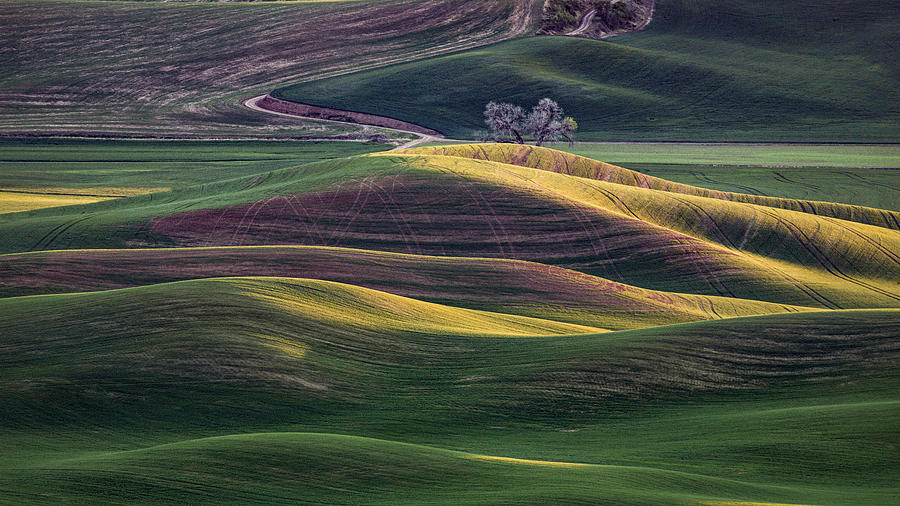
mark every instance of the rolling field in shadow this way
{"type": "Point", "coordinates": [187, 360]}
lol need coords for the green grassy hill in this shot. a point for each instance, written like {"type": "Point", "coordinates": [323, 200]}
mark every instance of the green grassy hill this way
{"type": "Point", "coordinates": [505, 286]}
{"type": "Point", "coordinates": [339, 469]}
{"type": "Point", "coordinates": [860, 174]}
{"type": "Point", "coordinates": [856, 174]}
{"type": "Point", "coordinates": [702, 70]}
{"type": "Point", "coordinates": [47, 172]}
{"type": "Point", "coordinates": [560, 162]}
{"type": "Point", "coordinates": [114, 395]}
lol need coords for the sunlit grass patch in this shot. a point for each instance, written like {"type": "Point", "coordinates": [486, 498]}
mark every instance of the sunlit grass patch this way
{"type": "Point", "coordinates": [350, 306]}
{"type": "Point", "coordinates": [511, 460]}
{"type": "Point", "coordinates": [288, 347]}
{"type": "Point", "coordinates": [14, 202]}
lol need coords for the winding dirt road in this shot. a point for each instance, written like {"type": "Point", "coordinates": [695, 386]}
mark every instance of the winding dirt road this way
{"type": "Point", "coordinates": [585, 23]}
{"type": "Point", "coordinates": [257, 104]}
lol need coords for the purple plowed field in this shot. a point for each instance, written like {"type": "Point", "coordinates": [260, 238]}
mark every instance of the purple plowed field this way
{"type": "Point", "coordinates": [420, 216]}
{"type": "Point", "coordinates": [424, 215]}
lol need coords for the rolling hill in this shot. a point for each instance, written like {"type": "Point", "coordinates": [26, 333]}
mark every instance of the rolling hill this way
{"type": "Point", "coordinates": [152, 372]}
{"type": "Point", "coordinates": [806, 71]}
{"type": "Point", "coordinates": [556, 161]}
{"type": "Point", "coordinates": [470, 324]}
{"type": "Point", "coordinates": [504, 286]}
{"type": "Point", "coordinates": [341, 469]}
{"type": "Point", "coordinates": [859, 174]}
{"type": "Point", "coordinates": [204, 303]}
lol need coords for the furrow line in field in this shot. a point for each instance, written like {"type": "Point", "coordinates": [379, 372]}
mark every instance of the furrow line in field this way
{"type": "Point", "coordinates": [893, 257]}
{"type": "Point", "coordinates": [712, 308]}
{"type": "Point", "coordinates": [823, 259]}
{"type": "Point", "coordinates": [62, 229]}
{"type": "Point", "coordinates": [353, 210]}
{"type": "Point", "coordinates": [618, 202]}
{"type": "Point", "coordinates": [748, 189]}
{"type": "Point", "coordinates": [866, 181]}
{"type": "Point", "coordinates": [702, 213]}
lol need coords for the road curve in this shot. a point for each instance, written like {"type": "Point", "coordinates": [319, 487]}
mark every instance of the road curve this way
{"type": "Point", "coordinates": [254, 104]}
{"type": "Point", "coordinates": [585, 23]}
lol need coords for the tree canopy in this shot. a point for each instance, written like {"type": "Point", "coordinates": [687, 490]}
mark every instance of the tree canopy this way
{"type": "Point", "coordinates": [545, 123]}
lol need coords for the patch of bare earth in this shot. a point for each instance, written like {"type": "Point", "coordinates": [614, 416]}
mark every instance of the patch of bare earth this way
{"type": "Point", "coordinates": [600, 19]}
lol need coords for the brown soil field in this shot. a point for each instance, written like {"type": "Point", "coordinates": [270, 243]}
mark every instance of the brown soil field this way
{"type": "Point", "coordinates": [181, 69]}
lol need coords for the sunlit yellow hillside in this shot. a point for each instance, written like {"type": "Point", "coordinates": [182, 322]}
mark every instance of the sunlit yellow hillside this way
{"type": "Point", "coordinates": [815, 253]}
{"type": "Point", "coordinates": [346, 306]}
{"type": "Point", "coordinates": [14, 202]}
{"type": "Point", "coordinates": [574, 165]}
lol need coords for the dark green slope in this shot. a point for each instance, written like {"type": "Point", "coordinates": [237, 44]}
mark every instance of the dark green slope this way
{"type": "Point", "coordinates": [702, 70]}
{"type": "Point", "coordinates": [314, 468]}
{"type": "Point", "coordinates": [347, 347]}
{"type": "Point", "coordinates": [785, 408]}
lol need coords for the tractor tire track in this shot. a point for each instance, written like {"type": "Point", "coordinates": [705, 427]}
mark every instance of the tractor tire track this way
{"type": "Point", "coordinates": [746, 189]}
{"type": "Point", "coordinates": [861, 179]}
{"type": "Point", "coordinates": [875, 244]}
{"type": "Point", "coordinates": [59, 230]}
{"type": "Point", "coordinates": [803, 240]}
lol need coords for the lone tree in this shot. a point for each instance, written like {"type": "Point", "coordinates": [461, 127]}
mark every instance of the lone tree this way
{"type": "Point", "coordinates": [545, 122]}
